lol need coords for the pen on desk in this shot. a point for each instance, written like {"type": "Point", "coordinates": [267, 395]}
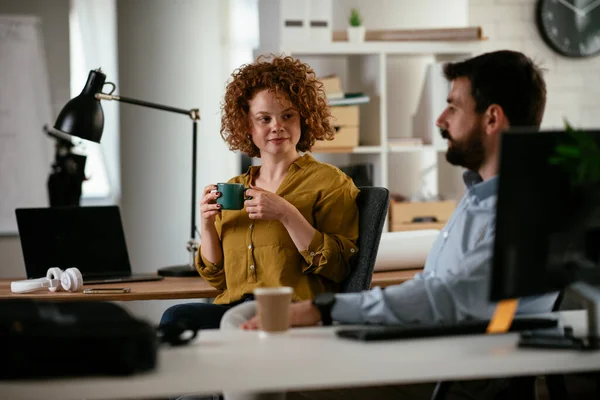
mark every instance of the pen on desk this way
{"type": "Point", "coordinates": [106, 290]}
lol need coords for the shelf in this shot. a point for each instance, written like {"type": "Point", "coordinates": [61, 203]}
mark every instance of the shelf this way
{"type": "Point", "coordinates": [351, 150]}
{"type": "Point", "coordinates": [414, 149]}
{"type": "Point", "coordinates": [379, 149]}
{"type": "Point", "coordinates": [367, 149]}
{"type": "Point", "coordinates": [376, 47]}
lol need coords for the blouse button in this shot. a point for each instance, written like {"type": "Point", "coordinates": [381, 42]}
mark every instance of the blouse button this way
{"type": "Point", "coordinates": [249, 246]}
{"type": "Point", "coordinates": [252, 267]}
{"type": "Point", "coordinates": [351, 250]}
{"type": "Point", "coordinates": [251, 226]}
{"type": "Point", "coordinates": [312, 253]}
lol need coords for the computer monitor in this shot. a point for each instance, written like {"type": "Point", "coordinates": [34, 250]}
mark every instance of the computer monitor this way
{"type": "Point", "coordinates": [548, 215]}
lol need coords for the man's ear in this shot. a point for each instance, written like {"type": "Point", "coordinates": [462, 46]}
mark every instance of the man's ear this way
{"type": "Point", "coordinates": [495, 120]}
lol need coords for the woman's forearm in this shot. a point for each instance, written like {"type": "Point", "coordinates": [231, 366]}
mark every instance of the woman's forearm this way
{"type": "Point", "coordinates": [299, 229]}
{"type": "Point", "coordinates": [211, 247]}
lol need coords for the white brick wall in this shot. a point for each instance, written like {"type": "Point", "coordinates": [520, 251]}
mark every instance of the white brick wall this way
{"type": "Point", "coordinates": [573, 84]}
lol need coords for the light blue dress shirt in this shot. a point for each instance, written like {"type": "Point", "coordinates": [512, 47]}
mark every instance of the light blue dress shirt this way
{"type": "Point", "coordinates": [455, 283]}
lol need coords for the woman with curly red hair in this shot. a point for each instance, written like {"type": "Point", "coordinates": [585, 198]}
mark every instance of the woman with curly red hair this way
{"type": "Point", "coordinates": [300, 226]}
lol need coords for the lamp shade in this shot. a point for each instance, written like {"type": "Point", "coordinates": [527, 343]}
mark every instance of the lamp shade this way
{"type": "Point", "coordinates": [82, 116]}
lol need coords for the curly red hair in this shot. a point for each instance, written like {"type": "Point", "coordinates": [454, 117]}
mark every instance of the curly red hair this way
{"type": "Point", "coordinates": [285, 76]}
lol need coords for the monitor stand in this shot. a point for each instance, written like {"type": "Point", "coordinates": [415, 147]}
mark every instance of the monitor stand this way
{"type": "Point", "coordinates": [590, 296]}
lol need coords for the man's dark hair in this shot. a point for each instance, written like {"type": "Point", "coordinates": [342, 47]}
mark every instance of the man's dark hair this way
{"type": "Point", "coordinates": [506, 78]}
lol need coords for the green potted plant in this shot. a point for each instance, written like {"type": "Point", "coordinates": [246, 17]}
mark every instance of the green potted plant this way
{"type": "Point", "coordinates": [356, 30]}
{"type": "Point", "coordinates": [578, 155]}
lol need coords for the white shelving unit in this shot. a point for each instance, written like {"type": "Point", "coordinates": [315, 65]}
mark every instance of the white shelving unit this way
{"type": "Point", "coordinates": [421, 47]}
{"type": "Point", "coordinates": [402, 79]}
{"type": "Point", "coordinates": [369, 67]}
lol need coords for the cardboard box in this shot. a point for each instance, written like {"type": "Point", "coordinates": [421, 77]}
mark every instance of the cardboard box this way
{"type": "Point", "coordinates": [294, 16]}
{"type": "Point", "coordinates": [344, 116]}
{"type": "Point", "coordinates": [332, 85]}
{"type": "Point", "coordinates": [402, 215]}
{"type": "Point", "coordinates": [300, 21]}
{"type": "Point", "coordinates": [416, 227]}
{"type": "Point", "coordinates": [320, 19]}
{"type": "Point", "coordinates": [345, 121]}
{"type": "Point", "coordinates": [346, 137]}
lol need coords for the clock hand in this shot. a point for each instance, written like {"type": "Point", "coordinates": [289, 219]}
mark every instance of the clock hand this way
{"type": "Point", "coordinates": [571, 7]}
{"type": "Point", "coordinates": [590, 7]}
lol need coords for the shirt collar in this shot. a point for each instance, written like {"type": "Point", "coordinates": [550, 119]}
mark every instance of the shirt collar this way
{"type": "Point", "coordinates": [304, 161]}
{"type": "Point", "coordinates": [301, 162]}
{"type": "Point", "coordinates": [479, 188]}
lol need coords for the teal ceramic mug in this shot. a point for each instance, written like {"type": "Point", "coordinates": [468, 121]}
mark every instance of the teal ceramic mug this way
{"type": "Point", "coordinates": [232, 196]}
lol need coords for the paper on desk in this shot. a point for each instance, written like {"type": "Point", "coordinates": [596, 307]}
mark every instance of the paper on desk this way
{"type": "Point", "coordinates": [404, 250]}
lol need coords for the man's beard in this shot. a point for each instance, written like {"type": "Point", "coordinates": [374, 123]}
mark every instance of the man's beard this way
{"type": "Point", "coordinates": [468, 152]}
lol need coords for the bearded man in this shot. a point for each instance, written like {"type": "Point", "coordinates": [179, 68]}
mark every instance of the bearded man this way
{"type": "Point", "coordinates": [489, 94]}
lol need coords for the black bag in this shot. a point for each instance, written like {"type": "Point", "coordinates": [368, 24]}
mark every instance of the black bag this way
{"type": "Point", "coordinates": [49, 339]}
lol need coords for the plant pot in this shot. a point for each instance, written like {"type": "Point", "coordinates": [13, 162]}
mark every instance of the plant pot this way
{"type": "Point", "coordinates": [356, 34]}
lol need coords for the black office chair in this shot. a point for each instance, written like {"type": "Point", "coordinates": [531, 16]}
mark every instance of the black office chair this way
{"type": "Point", "coordinates": [373, 203]}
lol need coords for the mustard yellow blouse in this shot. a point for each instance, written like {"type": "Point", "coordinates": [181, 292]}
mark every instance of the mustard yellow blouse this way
{"type": "Point", "coordinates": [259, 253]}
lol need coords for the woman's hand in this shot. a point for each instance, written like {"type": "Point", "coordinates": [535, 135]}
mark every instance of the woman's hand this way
{"type": "Point", "coordinates": [303, 313]}
{"type": "Point", "coordinates": [269, 206]}
{"type": "Point", "coordinates": [266, 205]}
{"type": "Point", "coordinates": [208, 205]}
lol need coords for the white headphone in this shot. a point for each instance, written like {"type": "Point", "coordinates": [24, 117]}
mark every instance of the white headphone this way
{"type": "Point", "coordinates": [70, 280]}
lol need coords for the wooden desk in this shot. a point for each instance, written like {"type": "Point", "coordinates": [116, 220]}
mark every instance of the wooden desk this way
{"type": "Point", "coordinates": [167, 289]}
{"type": "Point", "coordinates": [314, 358]}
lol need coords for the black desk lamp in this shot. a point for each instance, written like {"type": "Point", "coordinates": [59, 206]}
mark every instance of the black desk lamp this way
{"type": "Point", "coordinates": [83, 117]}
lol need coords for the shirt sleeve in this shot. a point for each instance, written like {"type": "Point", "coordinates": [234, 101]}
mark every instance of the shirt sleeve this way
{"type": "Point", "coordinates": [431, 299]}
{"type": "Point", "coordinates": [334, 243]}
{"type": "Point", "coordinates": [214, 274]}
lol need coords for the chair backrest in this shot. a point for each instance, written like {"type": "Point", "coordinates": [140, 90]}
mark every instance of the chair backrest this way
{"type": "Point", "coordinates": [373, 204]}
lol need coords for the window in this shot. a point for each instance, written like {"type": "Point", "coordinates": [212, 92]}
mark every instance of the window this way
{"type": "Point", "coordinates": [92, 27]}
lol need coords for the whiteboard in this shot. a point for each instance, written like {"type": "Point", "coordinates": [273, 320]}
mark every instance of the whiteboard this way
{"type": "Point", "coordinates": [25, 150]}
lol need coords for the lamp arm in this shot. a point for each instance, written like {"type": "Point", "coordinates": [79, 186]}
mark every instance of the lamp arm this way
{"type": "Point", "coordinates": [194, 113]}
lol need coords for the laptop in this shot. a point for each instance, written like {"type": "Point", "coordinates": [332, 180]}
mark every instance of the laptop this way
{"type": "Point", "coordinates": [90, 239]}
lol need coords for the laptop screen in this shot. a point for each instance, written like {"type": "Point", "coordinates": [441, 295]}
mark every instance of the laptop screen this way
{"type": "Point", "coordinates": [88, 238]}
